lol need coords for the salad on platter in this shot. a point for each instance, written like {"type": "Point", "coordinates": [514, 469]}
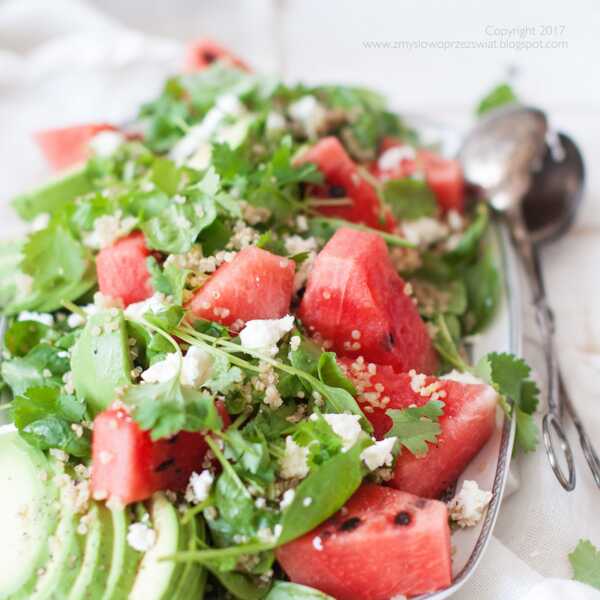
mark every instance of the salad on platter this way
{"type": "Point", "coordinates": [235, 359]}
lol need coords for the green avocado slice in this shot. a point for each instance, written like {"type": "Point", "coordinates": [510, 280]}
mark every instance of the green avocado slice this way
{"type": "Point", "coordinates": [124, 559]}
{"type": "Point", "coordinates": [28, 514]}
{"type": "Point", "coordinates": [100, 359]}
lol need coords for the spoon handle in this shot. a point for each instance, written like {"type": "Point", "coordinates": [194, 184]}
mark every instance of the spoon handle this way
{"type": "Point", "coordinates": [558, 453]}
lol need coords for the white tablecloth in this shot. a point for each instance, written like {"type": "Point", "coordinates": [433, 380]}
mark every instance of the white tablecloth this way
{"type": "Point", "coordinates": [61, 62]}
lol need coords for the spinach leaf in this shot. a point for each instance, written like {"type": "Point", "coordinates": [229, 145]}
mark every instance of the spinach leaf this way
{"type": "Point", "coordinates": [468, 245]}
{"type": "Point", "coordinates": [169, 280]}
{"type": "Point", "coordinates": [331, 374]}
{"type": "Point", "coordinates": [410, 199]}
{"type": "Point", "coordinates": [285, 590]}
{"type": "Point", "coordinates": [22, 336]}
{"type": "Point", "coordinates": [483, 287]}
{"type": "Point", "coordinates": [500, 95]}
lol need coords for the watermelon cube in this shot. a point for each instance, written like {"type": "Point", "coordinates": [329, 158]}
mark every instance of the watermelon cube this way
{"type": "Point", "coordinates": [343, 180]}
{"type": "Point", "coordinates": [204, 52]}
{"type": "Point", "coordinates": [127, 466]}
{"type": "Point", "coordinates": [467, 423]}
{"type": "Point", "coordinates": [254, 285]}
{"type": "Point", "coordinates": [356, 304]}
{"type": "Point", "coordinates": [122, 271]}
{"type": "Point", "coordinates": [384, 543]}
{"type": "Point", "coordinates": [68, 146]}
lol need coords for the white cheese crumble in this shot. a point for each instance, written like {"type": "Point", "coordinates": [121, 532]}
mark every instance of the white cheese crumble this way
{"type": "Point", "coordinates": [75, 320]}
{"type": "Point", "coordinates": [196, 367]}
{"type": "Point", "coordinates": [199, 486]}
{"type": "Point", "coordinates": [455, 220]}
{"type": "Point", "coordinates": [43, 318]}
{"type": "Point", "coordinates": [379, 454]}
{"type": "Point", "coordinates": [424, 231]}
{"type": "Point", "coordinates": [294, 463]}
{"type": "Point", "coordinates": [346, 426]}
{"type": "Point", "coordinates": [108, 229]}
{"type": "Point", "coordinates": [106, 143]}
{"type": "Point", "coordinates": [275, 122]}
{"type": "Point", "coordinates": [264, 334]}
{"type": "Point", "coordinates": [317, 543]}
{"type": "Point", "coordinates": [141, 537]}
{"type": "Point", "coordinates": [287, 499]}
{"type": "Point", "coordinates": [294, 244]}
{"type": "Point", "coordinates": [154, 304]}
{"type": "Point", "coordinates": [465, 377]}
{"type": "Point", "coordinates": [467, 507]}
{"type": "Point", "coordinates": [308, 113]}
{"type": "Point", "coordinates": [392, 158]}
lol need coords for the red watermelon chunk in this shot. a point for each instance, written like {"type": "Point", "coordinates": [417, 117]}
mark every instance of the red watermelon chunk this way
{"type": "Point", "coordinates": [128, 466]}
{"type": "Point", "coordinates": [254, 285]}
{"type": "Point", "coordinates": [467, 423]}
{"type": "Point", "coordinates": [343, 180]}
{"type": "Point", "coordinates": [385, 543]}
{"type": "Point", "coordinates": [204, 52]}
{"type": "Point", "coordinates": [68, 146]}
{"type": "Point", "coordinates": [356, 304]}
{"type": "Point", "coordinates": [444, 176]}
{"type": "Point", "coordinates": [122, 271]}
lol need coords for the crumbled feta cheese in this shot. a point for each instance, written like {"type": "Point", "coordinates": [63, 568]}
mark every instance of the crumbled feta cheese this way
{"type": "Point", "coordinates": [108, 229]}
{"type": "Point", "coordinates": [154, 304]}
{"type": "Point", "coordinates": [75, 320]}
{"type": "Point", "coordinates": [199, 486]}
{"type": "Point", "coordinates": [294, 244]}
{"type": "Point", "coordinates": [163, 370]}
{"type": "Point", "coordinates": [455, 220]}
{"type": "Point", "coordinates": [393, 157]}
{"type": "Point", "coordinates": [260, 502]}
{"type": "Point", "coordinates": [424, 231]}
{"type": "Point", "coordinates": [294, 463]}
{"type": "Point", "coordinates": [229, 104]}
{"type": "Point", "coordinates": [287, 499]}
{"type": "Point", "coordinates": [466, 508]}
{"type": "Point", "coordinates": [43, 318]}
{"type": "Point", "coordinates": [346, 426]}
{"type": "Point", "coordinates": [196, 368]}
{"type": "Point", "coordinates": [379, 454]}
{"type": "Point", "coordinates": [465, 377]}
{"type": "Point", "coordinates": [141, 537]}
{"type": "Point", "coordinates": [40, 222]}
{"type": "Point", "coordinates": [317, 543]}
{"type": "Point", "coordinates": [275, 122]}
{"type": "Point", "coordinates": [106, 143]}
{"type": "Point", "coordinates": [309, 114]}
{"type": "Point", "coordinates": [307, 501]}
{"type": "Point", "coordinates": [263, 334]}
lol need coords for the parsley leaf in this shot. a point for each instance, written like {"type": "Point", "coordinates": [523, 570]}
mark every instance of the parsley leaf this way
{"type": "Point", "coordinates": [498, 96]}
{"type": "Point", "coordinates": [585, 561]}
{"type": "Point", "coordinates": [415, 426]}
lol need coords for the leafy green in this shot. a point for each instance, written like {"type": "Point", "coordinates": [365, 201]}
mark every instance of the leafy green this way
{"type": "Point", "coordinates": [330, 373]}
{"type": "Point", "coordinates": [22, 336]}
{"type": "Point", "coordinates": [169, 280]}
{"type": "Point", "coordinates": [585, 562]}
{"type": "Point", "coordinates": [500, 95]}
{"type": "Point", "coordinates": [44, 416]}
{"type": "Point", "coordinates": [410, 199]}
{"type": "Point", "coordinates": [285, 590]}
{"type": "Point", "coordinates": [168, 407]}
{"type": "Point", "coordinates": [416, 426]}
{"type": "Point", "coordinates": [510, 376]}
{"type": "Point", "coordinates": [483, 286]}
{"type": "Point", "coordinates": [468, 245]}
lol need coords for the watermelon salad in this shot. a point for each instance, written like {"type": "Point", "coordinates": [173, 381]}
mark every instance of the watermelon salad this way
{"type": "Point", "coordinates": [235, 360]}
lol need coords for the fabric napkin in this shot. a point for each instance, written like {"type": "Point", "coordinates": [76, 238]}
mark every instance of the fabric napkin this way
{"type": "Point", "coordinates": [62, 62]}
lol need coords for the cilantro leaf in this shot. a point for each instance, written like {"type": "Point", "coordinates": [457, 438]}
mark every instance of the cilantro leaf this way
{"type": "Point", "coordinates": [166, 408]}
{"type": "Point", "coordinates": [409, 199]}
{"type": "Point", "coordinates": [223, 376]}
{"type": "Point", "coordinates": [500, 95]}
{"type": "Point", "coordinates": [169, 280]}
{"type": "Point", "coordinates": [527, 433]}
{"type": "Point", "coordinates": [585, 562]}
{"type": "Point", "coordinates": [416, 426]}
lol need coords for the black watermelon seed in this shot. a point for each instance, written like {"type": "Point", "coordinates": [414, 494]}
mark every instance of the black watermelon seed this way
{"type": "Point", "coordinates": [350, 524]}
{"type": "Point", "coordinates": [173, 439]}
{"type": "Point", "coordinates": [209, 56]}
{"type": "Point", "coordinates": [165, 465]}
{"type": "Point", "coordinates": [402, 518]}
{"type": "Point", "coordinates": [337, 191]}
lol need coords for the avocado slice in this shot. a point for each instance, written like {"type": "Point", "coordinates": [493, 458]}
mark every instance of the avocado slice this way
{"type": "Point", "coordinates": [100, 359]}
{"type": "Point", "coordinates": [124, 559]}
{"type": "Point", "coordinates": [54, 195]}
{"type": "Point", "coordinates": [157, 579]}
{"type": "Point", "coordinates": [28, 514]}
{"type": "Point", "coordinates": [95, 565]}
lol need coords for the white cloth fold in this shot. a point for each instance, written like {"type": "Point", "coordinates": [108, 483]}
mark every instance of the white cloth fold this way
{"type": "Point", "coordinates": [63, 62]}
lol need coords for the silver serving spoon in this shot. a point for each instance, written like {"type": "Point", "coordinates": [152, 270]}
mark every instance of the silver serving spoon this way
{"type": "Point", "coordinates": [536, 188]}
